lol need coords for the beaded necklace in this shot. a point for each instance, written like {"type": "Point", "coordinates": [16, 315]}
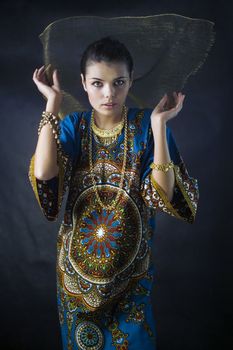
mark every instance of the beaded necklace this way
{"type": "Point", "coordinates": [114, 202]}
{"type": "Point", "coordinates": [108, 136]}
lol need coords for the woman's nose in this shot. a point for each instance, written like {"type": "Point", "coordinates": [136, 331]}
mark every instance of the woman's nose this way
{"type": "Point", "coordinates": [109, 91]}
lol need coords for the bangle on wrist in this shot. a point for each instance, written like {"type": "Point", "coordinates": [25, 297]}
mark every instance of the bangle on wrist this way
{"type": "Point", "coordinates": [163, 167]}
{"type": "Point", "coordinates": [48, 118]}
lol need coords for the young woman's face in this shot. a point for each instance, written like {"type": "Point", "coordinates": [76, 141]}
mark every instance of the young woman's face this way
{"type": "Point", "coordinates": [107, 83]}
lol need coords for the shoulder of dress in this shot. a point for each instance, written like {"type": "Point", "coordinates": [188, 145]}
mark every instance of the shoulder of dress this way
{"type": "Point", "coordinates": [75, 116]}
{"type": "Point", "coordinates": [143, 112]}
{"type": "Point", "coordinates": [147, 113]}
{"type": "Point", "coordinates": [72, 118]}
{"type": "Point", "coordinates": [144, 116]}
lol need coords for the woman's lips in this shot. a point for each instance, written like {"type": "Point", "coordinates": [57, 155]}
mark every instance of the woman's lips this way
{"type": "Point", "coordinates": [109, 105]}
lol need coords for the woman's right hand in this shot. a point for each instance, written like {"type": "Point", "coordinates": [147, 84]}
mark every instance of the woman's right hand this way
{"type": "Point", "coordinates": [49, 91]}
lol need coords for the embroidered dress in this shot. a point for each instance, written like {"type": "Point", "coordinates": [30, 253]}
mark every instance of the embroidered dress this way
{"type": "Point", "coordinates": [104, 263]}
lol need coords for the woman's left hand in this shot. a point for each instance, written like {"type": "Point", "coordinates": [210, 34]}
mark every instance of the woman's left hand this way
{"type": "Point", "coordinates": [161, 114]}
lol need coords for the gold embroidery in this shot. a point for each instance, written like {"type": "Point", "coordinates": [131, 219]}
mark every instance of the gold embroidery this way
{"type": "Point", "coordinates": [180, 182]}
{"type": "Point", "coordinates": [183, 190]}
{"type": "Point", "coordinates": [32, 179]}
{"type": "Point", "coordinates": [163, 196]}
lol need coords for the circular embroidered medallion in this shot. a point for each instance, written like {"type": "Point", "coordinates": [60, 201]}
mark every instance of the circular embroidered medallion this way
{"type": "Point", "coordinates": [104, 243]}
{"type": "Point", "coordinates": [89, 336]}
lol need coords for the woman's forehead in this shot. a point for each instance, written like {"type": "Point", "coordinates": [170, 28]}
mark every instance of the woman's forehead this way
{"type": "Point", "coordinates": [106, 68]}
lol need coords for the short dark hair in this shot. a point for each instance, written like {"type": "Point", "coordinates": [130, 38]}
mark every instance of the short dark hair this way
{"type": "Point", "coordinates": [107, 49]}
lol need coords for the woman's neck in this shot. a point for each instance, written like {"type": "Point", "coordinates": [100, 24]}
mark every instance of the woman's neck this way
{"type": "Point", "coordinates": [107, 122]}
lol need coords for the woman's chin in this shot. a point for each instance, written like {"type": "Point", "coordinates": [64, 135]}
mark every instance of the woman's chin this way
{"type": "Point", "coordinates": [104, 110]}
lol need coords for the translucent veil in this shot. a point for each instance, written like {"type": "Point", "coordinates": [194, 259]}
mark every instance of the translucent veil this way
{"type": "Point", "coordinates": [166, 49]}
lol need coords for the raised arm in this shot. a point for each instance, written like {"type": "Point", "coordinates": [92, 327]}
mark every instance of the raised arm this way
{"type": "Point", "coordinates": [45, 163]}
{"type": "Point", "coordinates": [173, 191]}
{"type": "Point", "coordinates": [51, 165]}
{"type": "Point", "coordinates": [159, 117]}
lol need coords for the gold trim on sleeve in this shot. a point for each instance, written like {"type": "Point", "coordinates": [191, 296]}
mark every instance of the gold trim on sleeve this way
{"type": "Point", "coordinates": [32, 178]}
{"type": "Point", "coordinates": [179, 182]}
{"type": "Point", "coordinates": [163, 195]}
{"type": "Point", "coordinates": [61, 174]}
{"type": "Point", "coordinates": [183, 190]}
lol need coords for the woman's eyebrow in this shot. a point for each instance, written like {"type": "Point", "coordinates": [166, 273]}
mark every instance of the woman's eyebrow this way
{"type": "Point", "coordinates": [103, 80]}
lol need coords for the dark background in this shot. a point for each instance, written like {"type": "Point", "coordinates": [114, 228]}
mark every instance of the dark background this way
{"type": "Point", "coordinates": [194, 287]}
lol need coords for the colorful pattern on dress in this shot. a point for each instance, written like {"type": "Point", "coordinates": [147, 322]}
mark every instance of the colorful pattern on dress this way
{"type": "Point", "coordinates": [104, 262]}
{"type": "Point", "coordinates": [89, 336]}
{"type": "Point", "coordinates": [119, 339]}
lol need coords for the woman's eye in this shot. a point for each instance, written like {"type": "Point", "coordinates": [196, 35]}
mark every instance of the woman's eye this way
{"type": "Point", "coordinates": [96, 82]}
{"type": "Point", "coordinates": [117, 83]}
{"type": "Point", "coordinates": [120, 82]}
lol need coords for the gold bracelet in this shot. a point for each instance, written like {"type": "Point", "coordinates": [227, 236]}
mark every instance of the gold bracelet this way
{"type": "Point", "coordinates": [163, 167]}
{"type": "Point", "coordinates": [47, 118]}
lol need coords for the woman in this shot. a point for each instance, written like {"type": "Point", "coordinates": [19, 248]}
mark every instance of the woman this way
{"type": "Point", "coordinates": [120, 165]}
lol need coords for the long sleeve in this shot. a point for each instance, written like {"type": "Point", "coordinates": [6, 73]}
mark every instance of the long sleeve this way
{"type": "Point", "coordinates": [186, 193]}
{"type": "Point", "coordinates": [50, 193]}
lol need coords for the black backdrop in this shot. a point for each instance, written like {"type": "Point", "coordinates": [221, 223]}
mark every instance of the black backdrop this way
{"type": "Point", "coordinates": [194, 288]}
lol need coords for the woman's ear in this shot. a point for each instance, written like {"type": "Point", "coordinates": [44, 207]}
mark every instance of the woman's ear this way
{"type": "Point", "coordinates": [83, 82]}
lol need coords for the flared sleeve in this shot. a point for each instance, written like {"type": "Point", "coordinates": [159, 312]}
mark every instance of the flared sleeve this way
{"type": "Point", "coordinates": [186, 193]}
{"type": "Point", "coordinates": [50, 193]}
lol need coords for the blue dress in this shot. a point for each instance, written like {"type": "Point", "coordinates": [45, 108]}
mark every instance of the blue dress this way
{"type": "Point", "coordinates": [104, 258]}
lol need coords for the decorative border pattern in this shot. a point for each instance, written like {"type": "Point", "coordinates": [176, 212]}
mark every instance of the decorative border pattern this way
{"type": "Point", "coordinates": [186, 195]}
{"type": "Point", "coordinates": [51, 204]}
